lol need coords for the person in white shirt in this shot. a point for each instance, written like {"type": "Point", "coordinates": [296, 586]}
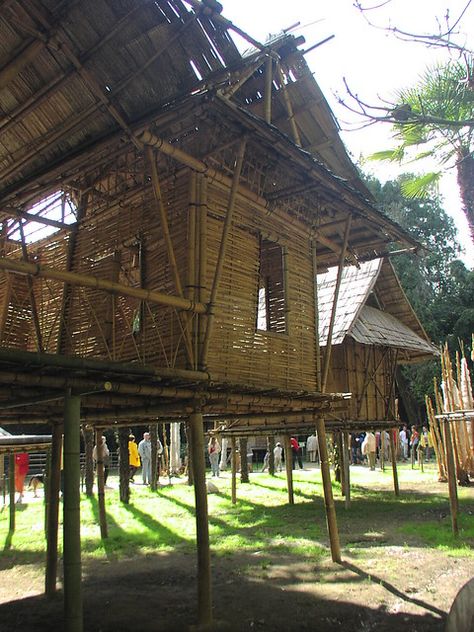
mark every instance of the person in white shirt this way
{"type": "Point", "coordinates": [403, 436]}
{"type": "Point", "coordinates": [369, 447]}
{"type": "Point", "coordinates": [312, 448]}
{"type": "Point", "coordinates": [277, 452]}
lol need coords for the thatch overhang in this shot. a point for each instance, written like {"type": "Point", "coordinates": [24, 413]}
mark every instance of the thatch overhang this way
{"type": "Point", "coordinates": [388, 321]}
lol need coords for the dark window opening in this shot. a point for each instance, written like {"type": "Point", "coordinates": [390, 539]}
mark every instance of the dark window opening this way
{"type": "Point", "coordinates": [271, 310]}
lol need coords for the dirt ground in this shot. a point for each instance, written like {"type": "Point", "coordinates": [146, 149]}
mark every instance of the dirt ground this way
{"type": "Point", "coordinates": [382, 585]}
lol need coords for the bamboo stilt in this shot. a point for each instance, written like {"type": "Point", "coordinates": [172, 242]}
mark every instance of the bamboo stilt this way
{"type": "Point", "coordinates": [153, 429]}
{"type": "Point", "coordinates": [101, 484]}
{"type": "Point", "coordinates": [11, 485]}
{"type": "Point", "coordinates": [89, 461]}
{"type": "Point", "coordinates": [54, 484]}
{"type": "Point", "coordinates": [234, 470]}
{"type": "Point", "coordinates": [203, 550]}
{"type": "Point", "coordinates": [72, 519]}
{"type": "Point", "coordinates": [393, 456]}
{"type": "Point", "coordinates": [346, 469]}
{"type": "Point", "coordinates": [289, 470]}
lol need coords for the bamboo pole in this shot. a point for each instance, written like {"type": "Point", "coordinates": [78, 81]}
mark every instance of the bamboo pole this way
{"type": "Point", "coordinates": [453, 495]}
{"type": "Point", "coordinates": [271, 455]}
{"type": "Point", "coordinates": [289, 469]}
{"type": "Point", "coordinates": [89, 461]}
{"type": "Point", "coordinates": [317, 346]}
{"type": "Point", "coordinates": [71, 520]}
{"type": "Point", "coordinates": [393, 456]}
{"type": "Point", "coordinates": [289, 107]}
{"type": "Point", "coordinates": [34, 310]}
{"type": "Point", "coordinates": [11, 485]}
{"type": "Point", "coordinates": [202, 526]}
{"type": "Point", "coordinates": [382, 449]}
{"type": "Point", "coordinates": [268, 89]}
{"type": "Point", "coordinates": [234, 470]}
{"type": "Point", "coordinates": [54, 484]}
{"type": "Point", "coordinates": [153, 429]}
{"type": "Point", "coordinates": [192, 263]}
{"type": "Point", "coordinates": [101, 484]}
{"type": "Point", "coordinates": [223, 249]}
{"type": "Point", "coordinates": [346, 469]}
{"type": "Point", "coordinates": [82, 280]}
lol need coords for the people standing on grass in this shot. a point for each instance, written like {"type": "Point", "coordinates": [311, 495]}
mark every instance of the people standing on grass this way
{"type": "Point", "coordinates": [104, 453]}
{"type": "Point", "coordinates": [414, 441]}
{"type": "Point", "coordinates": [403, 436]}
{"type": "Point", "coordinates": [369, 449]}
{"type": "Point", "coordinates": [296, 452]}
{"type": "Point", "coordinates": [133, 456]}
{"type": "Point", "coordinates": [425, 437]}
{"type": "Point", "coordinates": [214, 449]}
{"type": "Point", "coordinates": [22, 465]}
{"type": "Point", "coordinates": [144, 450]}
{"type": "Point", "coordinates": [312, 448]}
{"type": "Point", "coordinates": [277, 455]}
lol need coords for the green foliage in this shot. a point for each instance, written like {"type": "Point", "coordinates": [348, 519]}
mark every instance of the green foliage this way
{"type": "Point", "coordinates": [437, 284]}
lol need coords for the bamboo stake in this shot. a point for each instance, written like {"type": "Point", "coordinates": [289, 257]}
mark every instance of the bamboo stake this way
{"type": "Point", "coordinates": [346, 469]}
{"type": "Point", "coordinates": [72, 521]}
{"type": "Point", "coordinates": [202, 526]}
{"type": "Point", "coordinates": [222, 250]}
{"type": "Point", "coordinates": [234, 470]}
{"type": "Point", "coordinates": [82, 280]}
{"type": "Point", "coordinates": [393, 456]}
{"type": "Point", "coordinates": [289, 469]}
{"type": "Point", "coordinates": [53, 512]}
{"type": "Point", "coordinates": [101, 484]}
{"type": "Point", "coordinates": [11, 484]}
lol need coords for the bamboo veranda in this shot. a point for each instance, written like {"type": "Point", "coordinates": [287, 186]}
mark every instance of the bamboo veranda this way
{"type": "Point", "coordinates": [205, 190]}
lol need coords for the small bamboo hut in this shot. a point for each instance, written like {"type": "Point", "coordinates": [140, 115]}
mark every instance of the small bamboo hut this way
{"type": "Point", "coordinates": [375, 330]}
{"type": "Point", "coordinates": [191, 194]}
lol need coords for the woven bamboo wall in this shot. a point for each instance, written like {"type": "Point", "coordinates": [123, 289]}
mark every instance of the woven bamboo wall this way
{"type": "Point", "coordinates": [352, 365]}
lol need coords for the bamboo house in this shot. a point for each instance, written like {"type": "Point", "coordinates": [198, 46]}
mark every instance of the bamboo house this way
{"type": "Point", "coordinates": [190, 195]}
{"type": "Point", "coordinates": [375, 330]}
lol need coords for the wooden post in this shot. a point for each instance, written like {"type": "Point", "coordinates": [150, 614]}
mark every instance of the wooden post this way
{"type": "Point", "coordinates": [47, 477]}
{"type": "Point", "coordinates": [289, 469]}
{"type": "Point", "coordinates": [124, 466]}
{"type": "Point", "coordinates": [54, 484]}
{"type": "Point", "coordinates": [244, 465]}
{"type": "Point", "coordinates": [11, 485]}
{"type": "Point", "coordinates": [393, 456]}
{"type": "Point", "coordinates": [72, 520]}
{"type": "Point", "coordinates": [234, 470]}
{"type": "Point", "coordinates": [153, 428]}
{"type": "Point", "coordinates": [271, 455]}
{"type": "Point", "coordinates": [196, 426]}
{"type": "Point", "coordinates": [101, 484]}
{"type": "Point", "coordinates": [382, 450]}
{"type": "Point", "coordinates": [346, 469]}
{"type": "Point", "coordinates": [451, 471]}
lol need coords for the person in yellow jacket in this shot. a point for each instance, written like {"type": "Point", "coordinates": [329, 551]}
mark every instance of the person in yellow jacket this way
{"type": "Point", "coordinates": [133, 456]}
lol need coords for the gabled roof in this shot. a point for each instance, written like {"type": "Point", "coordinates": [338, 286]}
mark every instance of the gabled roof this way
{"type": "Point", "coordinates": [392, 324]}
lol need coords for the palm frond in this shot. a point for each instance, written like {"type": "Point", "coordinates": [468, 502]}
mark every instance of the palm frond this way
{"type": "Point", "coordinates": [421, 186]}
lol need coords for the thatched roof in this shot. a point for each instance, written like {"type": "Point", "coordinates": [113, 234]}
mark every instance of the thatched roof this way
{"type": "Point", "coordinates": [389, 319]}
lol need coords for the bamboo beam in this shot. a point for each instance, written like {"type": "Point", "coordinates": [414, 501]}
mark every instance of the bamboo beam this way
{"type": "Point", "coordinates": [222, 250]}
{"type": "Point", "coordinates": [54, 485]}
{"type": "Point", "coordinates": [268, 89]}
{"type": "Point", "coordinates": [202, 526]}
{"type": "Point", "coordinates": [289, 107]}
{"type": "Point", "coordinates": [245, 75]}
{"type": "Point", "coordinates": [289, 469]}
{"type": "Point", "coordinates": [34, 311]}
{"type": "Point", "coordinates": [32, 217]}
{"type": "Point", "coordinates": [72, 521]}
{"type": "Point", "coordinates": [82, 280]}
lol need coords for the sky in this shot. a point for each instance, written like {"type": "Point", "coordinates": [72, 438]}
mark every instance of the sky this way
{"type": "Point", "coordinates": [373, 62]}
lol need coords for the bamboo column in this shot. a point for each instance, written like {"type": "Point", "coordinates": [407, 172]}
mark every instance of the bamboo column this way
{"type": "Point", "coordinates": [89, 461]}
{"type": "Point", "coordinates": [101, 484]}
{"type": "Point", "coordinates": [346, 469]}
{"type": "Point", "coordinates": [72, 519]}
{"type": "Point", "coordinates": [54, 484]}
{"type": "Point", "coordinates": [124, 466]}
{"type": "Point", "coordinates": [11, 485]}
{"type": "Point", "coordinates": [268, 89]}
{"type": "Point", "coordinates": [244, 464]}
{"type": "Point", "coordinates": [271, 455]}
{"type": "Point", "coordinates": [382, 450]}
{"type": "Point", "coordinates": [289, 469]}
{"type": "Point", "coordinates": [453, 494]}
{"type": "Point", "coordinates": [393, 456]}
{"type": "Point", "coordinates": [196, 426]}
{"type": "Point", "coordinates": [234, 470]}
{"type": "Point", "coordinates": [153, 428]}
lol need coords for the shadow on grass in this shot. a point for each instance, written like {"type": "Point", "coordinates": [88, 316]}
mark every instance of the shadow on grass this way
{"type": "Point", "coordinates": [161, 533]}
{"type": "Point", "coordinates": [249, 600]}
{"type": "Point", "coordinates": [115, 532]}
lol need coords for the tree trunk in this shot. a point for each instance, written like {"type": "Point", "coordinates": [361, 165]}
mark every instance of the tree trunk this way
{"type": "Point", "coordinates": [124, 466]}
{"type": "Point", "coordinates": [465, 173]}
{"type": "Point", "coordinates": [244, 465]}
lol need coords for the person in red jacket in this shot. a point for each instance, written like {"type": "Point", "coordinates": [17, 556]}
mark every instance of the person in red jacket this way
{"type": "Point", "coordinates": [22, 465]}
{"type": "Point", "coordinates": [296, 452]}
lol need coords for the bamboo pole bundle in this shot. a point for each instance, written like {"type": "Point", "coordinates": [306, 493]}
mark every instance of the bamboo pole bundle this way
{"type": "Point", "coordinates": [436, 441]}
